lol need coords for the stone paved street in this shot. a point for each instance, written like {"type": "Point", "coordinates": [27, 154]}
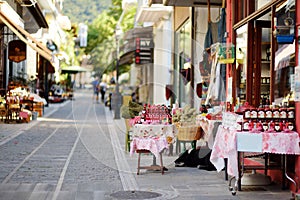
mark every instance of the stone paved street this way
{"type": "Point", "coordinates": [76, 151]}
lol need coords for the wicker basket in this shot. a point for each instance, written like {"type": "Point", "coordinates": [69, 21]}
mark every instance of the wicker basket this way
{"type": "Point", "coordinates": [189, 133]}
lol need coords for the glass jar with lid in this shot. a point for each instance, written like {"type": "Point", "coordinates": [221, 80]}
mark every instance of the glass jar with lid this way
{"type": "Point", "coordinates": [275, 112]}
{"type": "Point", "coordinates": [261, 114]}
{"type": "Point", "coordinates": [253, 113]}
{"type": "Point", "coordinates": [282, 113]}
{"type": "Point", "coordinates": [291, 113]}
{"type": "Point", "coordinates": [247, 114]}
{"type": "Point", "coordinates": [268, 113]}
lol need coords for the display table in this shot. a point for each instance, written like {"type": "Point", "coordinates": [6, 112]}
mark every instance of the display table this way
{"type": "Point", "coordinates": [229, 142]}
{"type": "Point", "coordinates": [148, 138]}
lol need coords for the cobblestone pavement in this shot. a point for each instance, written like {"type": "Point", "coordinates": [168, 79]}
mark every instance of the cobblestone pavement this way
{"type": "Point", "coordinates": [76, 151]}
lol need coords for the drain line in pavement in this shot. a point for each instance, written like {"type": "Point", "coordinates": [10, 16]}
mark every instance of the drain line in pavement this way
{"type": "Point", "coordinates": [128, 181]}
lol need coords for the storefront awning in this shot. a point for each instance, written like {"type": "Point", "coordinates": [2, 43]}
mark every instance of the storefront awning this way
{"type": "Point", "coordinates": [23, 35]}
{"type": "Point", "coordinates": [153, 13]}
{"type": "Point", "coordinates": [283, 56]}
{"type": "Point", "coordinates": [127, 58]}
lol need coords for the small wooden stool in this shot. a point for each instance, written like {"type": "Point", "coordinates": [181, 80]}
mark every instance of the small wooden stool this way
{"type": "Point", "coordinates": [152, 167]}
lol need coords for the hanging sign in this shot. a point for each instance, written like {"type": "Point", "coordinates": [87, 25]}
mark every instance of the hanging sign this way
{"type": "Point", "coordinates": [17, 51]}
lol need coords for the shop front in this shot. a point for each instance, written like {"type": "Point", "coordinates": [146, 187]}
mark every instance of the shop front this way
{"type": "Point", "coordinates": [264, 78]}
{"type": "Point", "coordinates": [17, 75]}
{"type": "Point", "coordinates": [259, 57]}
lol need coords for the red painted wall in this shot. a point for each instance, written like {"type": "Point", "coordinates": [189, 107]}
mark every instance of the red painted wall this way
{"type": "Point", "coordinates": [297, 104]}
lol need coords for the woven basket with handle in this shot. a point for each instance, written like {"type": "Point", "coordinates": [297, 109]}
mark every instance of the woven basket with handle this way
{"type": "Point", "coordinates": [189, 132]}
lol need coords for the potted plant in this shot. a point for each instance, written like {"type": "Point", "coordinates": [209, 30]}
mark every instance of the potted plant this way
{"type": "Point", "coordinates": [131, 110]}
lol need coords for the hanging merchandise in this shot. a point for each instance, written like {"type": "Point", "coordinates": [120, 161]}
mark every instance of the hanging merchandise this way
{"type": "Point", "coordinates": [222, 24]}
{"type": "Point", "coordinates": [169, 91]}
{"type": "Point", "coordinates": [226, 53]}
{"type": "Point", "coordinates": [222, 36]}
{"type": "Point", "coordinates": [216, 88]}
{"type": "Point", "coordinates": [199, 90]}
{"type": "Point", "coordinates": [208, 37]}
{"type": "Point", "coordinates": [211, 37]}
{"type": "Point", "coordinates": [285, 26]}
{"type": "Point", "coordinates": [205, 67]}
{"type": "Point", "coordinates": [186, 74]}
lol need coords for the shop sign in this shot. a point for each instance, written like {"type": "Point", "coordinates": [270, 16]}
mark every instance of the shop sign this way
{"type": "Point", "coordinates": [143, 50]}
{"type": "Point", "coordinates": [17, 51]}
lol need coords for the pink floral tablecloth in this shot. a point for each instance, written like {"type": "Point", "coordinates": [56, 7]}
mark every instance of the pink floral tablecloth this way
{"type": "Point", "coordinates": [225, 146]}
{"type": "Point", "coordinates": [281, 143]}
{"type": "Point", "coordinates": [152, 137]}
{"type": "Point", "coordinates": [155, 145]}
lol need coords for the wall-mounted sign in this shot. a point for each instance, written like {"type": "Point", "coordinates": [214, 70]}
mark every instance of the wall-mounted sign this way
{"type": "Point", "coordinates": [144, 50]}
{"type": "Point", "coordinates": [17, 51]}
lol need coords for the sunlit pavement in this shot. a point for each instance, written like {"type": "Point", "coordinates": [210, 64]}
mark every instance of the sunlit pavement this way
{"type": "Point", "coordinates": [88, 161]}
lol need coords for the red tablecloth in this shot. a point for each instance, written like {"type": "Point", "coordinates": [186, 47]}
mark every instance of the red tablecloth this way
{"type": "Point", "coordinates": [225, 146]}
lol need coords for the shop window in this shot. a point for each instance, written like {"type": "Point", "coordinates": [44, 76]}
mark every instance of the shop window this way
{"type": "Point", "coordinates": [241, 62]}
{"type": "Point", "coordinates": [285, 54]}
{"type": "Point", "coordinates": [182, 62]}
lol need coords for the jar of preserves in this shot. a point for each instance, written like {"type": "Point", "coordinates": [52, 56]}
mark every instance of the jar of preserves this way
{"type": "Point", "coordinates": [291, 113]}
{"type": "Point", "coordinates": [291, 126]}
{"type": "Point", "coordinates": [268, 113]}
{"type": "Point", "coordinates": [261, 113]}
{"type": "Point", "coordinates": [271, 125]}
{"type": "Point", "coordinates": [275, 112]}
{"type": "Point", "coordinates": [246, 125]}
{"type": "Point", "coordinates": [251, 125]}
{"type": "Point", "coordinates": [265, 126]}
{"type": "Point", "coordinates": [247, 114]}
{"type": "Point", "coordinates": [277, 126]}
{"type": "Point", "coordinates": [282, 113]}
{"type": "Point", "coordinates": [259, 126]}
{"type": "Point", "coordinates": [253, 113]}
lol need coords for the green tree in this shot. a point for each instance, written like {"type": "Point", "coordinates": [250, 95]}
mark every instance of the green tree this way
{"type": "Point", "coordinates": [101, 36]}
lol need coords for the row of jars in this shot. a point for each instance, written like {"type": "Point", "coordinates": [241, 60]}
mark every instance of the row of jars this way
{"type": "Point", "coordinates": [276, 113]}
{"type": "Point", "coordinates": [268, 125]}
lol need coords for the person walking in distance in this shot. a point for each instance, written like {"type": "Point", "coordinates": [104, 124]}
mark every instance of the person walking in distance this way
{"type": "Point", "coordinates": [95, 84]}
{"type": "Point", "coordinates": [103, 87]}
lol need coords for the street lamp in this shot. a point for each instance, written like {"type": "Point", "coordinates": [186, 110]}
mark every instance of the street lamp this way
{"type": "Point", "coordinates": [117, 96]}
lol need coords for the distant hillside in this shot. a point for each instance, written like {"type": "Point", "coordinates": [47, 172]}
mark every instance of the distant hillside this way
{"type": "Point", "coordinates": [84, 10]}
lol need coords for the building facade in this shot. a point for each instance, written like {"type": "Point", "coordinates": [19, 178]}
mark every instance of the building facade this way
{"type": "Point", "coordinates": [257, 56]}
{"type": "Point", "coordinates": [35, 26]}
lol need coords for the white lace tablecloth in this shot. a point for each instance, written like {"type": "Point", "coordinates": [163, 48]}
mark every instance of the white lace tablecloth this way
{"type": "Point", "coordinates": [150, 137]}
{"type": "Point", "coordinates": [225, 146]}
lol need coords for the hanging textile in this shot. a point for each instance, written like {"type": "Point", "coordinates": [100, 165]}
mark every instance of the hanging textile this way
{"type": "Point", "coordinates": [222, 25]}
{"type": "Point", "coordinates": [186, 75]}
{"type": "Point", "coordinates": [221, 36]}
{"type": "Point", "coordinates": [211, 87]}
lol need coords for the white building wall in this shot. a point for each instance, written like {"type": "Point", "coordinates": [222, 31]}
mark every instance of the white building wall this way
{"type": "Point", "coordinates": [31, 62]}
{"type": "Point", "coordinates": [163, 37]}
